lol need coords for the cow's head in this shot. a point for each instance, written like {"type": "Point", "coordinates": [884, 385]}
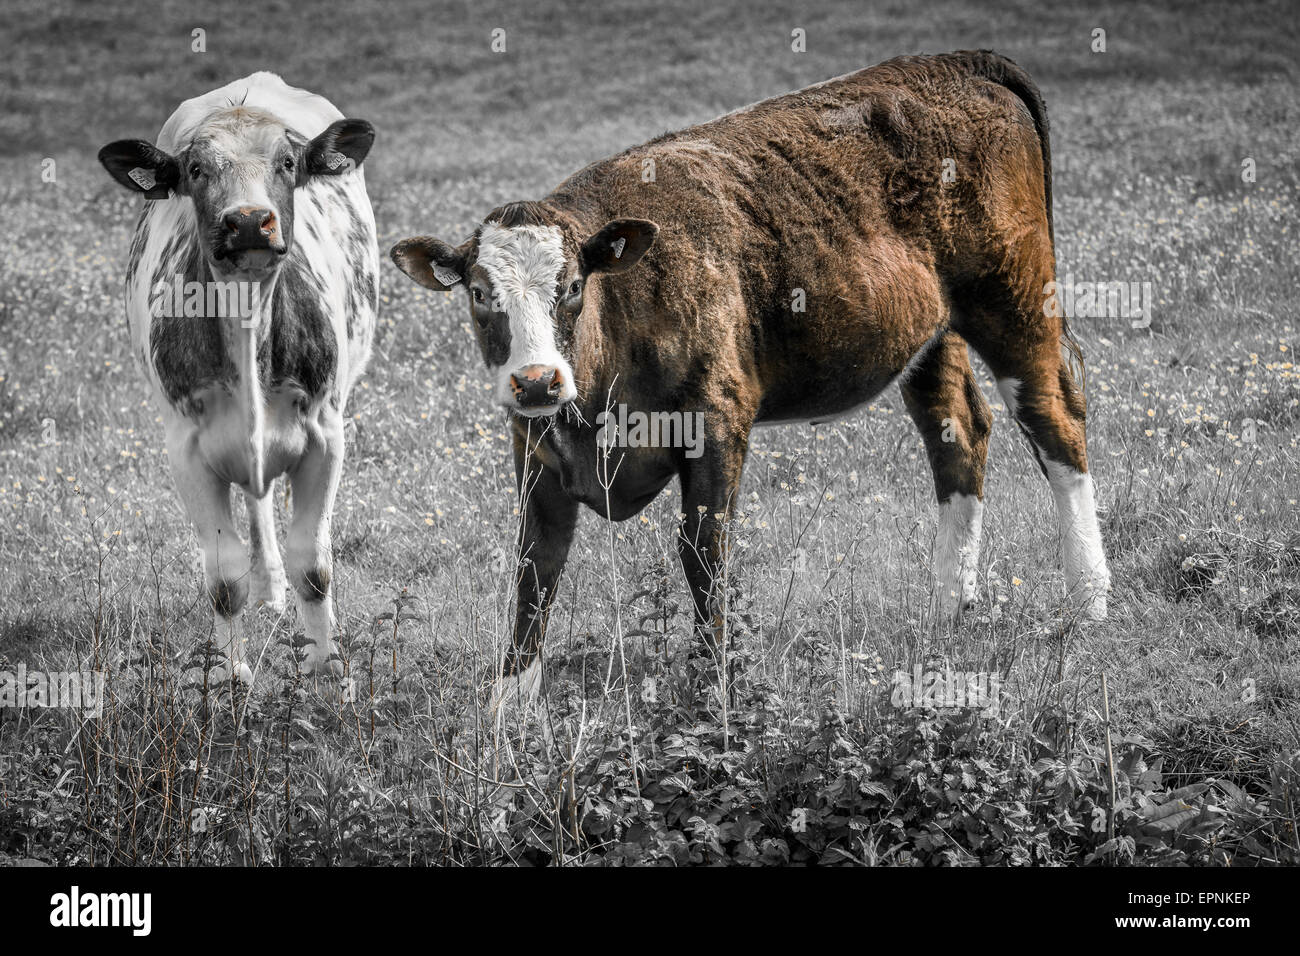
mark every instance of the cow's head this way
{"type": "Point", "coordinates": [240, 169]}
{"type": "Point", "coordinates": [525, 284]}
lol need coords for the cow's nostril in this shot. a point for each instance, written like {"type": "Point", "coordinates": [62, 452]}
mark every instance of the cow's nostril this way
{"type": "Point", "coordinates": [557, 383]}
{"type": "Point", "coordinates": [250, 221]}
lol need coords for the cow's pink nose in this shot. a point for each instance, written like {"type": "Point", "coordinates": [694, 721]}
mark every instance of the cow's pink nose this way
{"type": "Point", "coordinates": [252, 227]}
{"type": "Point", "coordinates": [537, 385]}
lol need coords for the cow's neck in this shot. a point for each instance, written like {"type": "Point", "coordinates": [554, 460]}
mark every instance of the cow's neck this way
{"type": "Point", "coordinates": [599, 343]}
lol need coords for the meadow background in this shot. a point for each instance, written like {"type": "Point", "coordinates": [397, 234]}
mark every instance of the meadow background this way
{"type": "Point", "coordinates": [636, 754]}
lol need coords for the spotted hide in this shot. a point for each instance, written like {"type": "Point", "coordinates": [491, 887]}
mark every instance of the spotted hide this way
{"type": "Point", "coordinates": [251, 294]}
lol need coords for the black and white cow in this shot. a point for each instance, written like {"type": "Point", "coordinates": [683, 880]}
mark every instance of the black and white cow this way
{"type": "Point", "coordinates": [251, 295]}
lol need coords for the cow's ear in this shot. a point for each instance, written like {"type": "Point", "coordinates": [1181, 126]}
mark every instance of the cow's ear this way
{"type": "Point", "coordinates": [339, 149]}
{"type": "Point", "coordinates": [141, 167]}
{"type": "Point", "coordinates": [431, 262]}
{"type": "Point", "coordinates": [619, 245]}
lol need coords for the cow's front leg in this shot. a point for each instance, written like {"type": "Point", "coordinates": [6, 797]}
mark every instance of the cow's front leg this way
{"type": "Point", "coordinates": [548, 517]}
{"type": "Point", "coordinates": [315, 481]}
{"type": "Point", "coordinates": [710, 484]}
{"type": "Point", "coordinates": [268, 581]}
{"type": "Point", "coordinates": [206, 499]}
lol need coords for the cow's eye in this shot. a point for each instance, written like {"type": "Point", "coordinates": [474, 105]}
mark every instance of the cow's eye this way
{"type": "Point", "coordinates": [477, 294]}
{"type": "Point", "coordinates": [195, 171]}
{"type": "Point", "coordinates": [575, 287]}
{"type": "Point", "coordinates": [288, 164]}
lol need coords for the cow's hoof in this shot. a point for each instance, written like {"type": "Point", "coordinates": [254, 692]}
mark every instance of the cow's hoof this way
{"type": "Point", "coordinates": [952, 605]}
{"type": "Point", "coordinates": [1090, 599]}
{"type": "Point", "coordinates": [221, 674]}
{"type": "Point", "coordinates": [1094, 609]}
{"type": "Point", "coordinates": [522, 685]}
{"type": "Point", "coordinates": [326, 664]}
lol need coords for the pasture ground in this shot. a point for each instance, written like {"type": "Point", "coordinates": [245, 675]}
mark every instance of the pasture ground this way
{"type": "Point", "coordinates": [635, 753]}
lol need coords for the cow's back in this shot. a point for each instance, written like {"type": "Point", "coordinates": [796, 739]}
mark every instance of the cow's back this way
{"type": "Point", "coordinates": [853, 156]}
{"type": "Point", "coordinates": [821, 217]}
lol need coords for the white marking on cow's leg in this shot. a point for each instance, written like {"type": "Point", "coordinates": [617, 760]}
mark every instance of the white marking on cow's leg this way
{"type": "Point", "coordinates": [961, 519]}
{"type": "Point", "coordinates": [523, 684]}
{"type": "Point", "coordinates": [1087, 579]}
{"type": "Point", "coordinates": [315, 482]}
{"type": "Point", "coordinates": [268, 581]}
{"type": "Point", "coordinates": [206, 499]}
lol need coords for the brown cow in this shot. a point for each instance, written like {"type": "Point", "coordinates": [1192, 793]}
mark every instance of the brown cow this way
{"type": "Point", "coordinates": [795, 257]}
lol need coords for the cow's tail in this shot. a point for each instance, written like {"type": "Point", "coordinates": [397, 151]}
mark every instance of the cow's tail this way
{"type": "Point", "coordinates": [997, 68]}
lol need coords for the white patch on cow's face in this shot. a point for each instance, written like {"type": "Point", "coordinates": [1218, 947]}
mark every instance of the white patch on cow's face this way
{"type": "Point", "coordinates": [239, 153]}
{"type": "Point", "coordinates": [524, 264]}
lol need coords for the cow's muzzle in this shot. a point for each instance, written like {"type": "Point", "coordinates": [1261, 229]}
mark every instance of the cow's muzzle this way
{"type": "Point", "coordinates": [537, 388]}
{"type": "Point", "coordinates": [249, 234]}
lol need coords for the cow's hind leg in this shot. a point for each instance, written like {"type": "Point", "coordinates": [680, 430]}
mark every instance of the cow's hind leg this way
{"type": "Point", "coordinates": [943, 399]}
{"type": "Point", "coordinates": [206, 499]}
{"type": "Point", "coordinates": [1031, 357]}
{"type": "Point", "coordinates": [315, 482]}
{"type": "Point", "coordinates": [268, 581]}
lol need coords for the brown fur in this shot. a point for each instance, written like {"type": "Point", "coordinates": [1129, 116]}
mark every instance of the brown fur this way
{"type": "Point", "coordinates": [835, 190]}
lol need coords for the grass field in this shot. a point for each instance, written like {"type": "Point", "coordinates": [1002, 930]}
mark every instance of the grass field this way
{"type": "Point", "coordinates": [635, 754]}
